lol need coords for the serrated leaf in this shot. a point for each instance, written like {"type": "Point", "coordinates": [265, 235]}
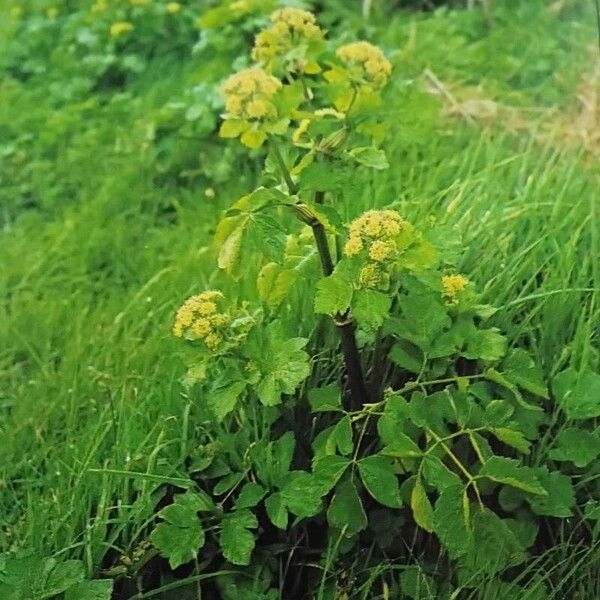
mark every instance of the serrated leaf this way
{"type": "Point", "coordinates": [334, 294]}
{"type": "Point", "coordinates": [229, 254]}
{"type": "Point", "coordinates": [421, 507]}
{"type": "Point", "coordinates": [326, 398]}
{"type": "Point", "coordinates": [179, 515]}
{"type": "Point", "coordinates": [179, 544]}
{"type": "Point", "coordinates": [497, 412]}
{"type": "Point", "coordinates": [560, 497]}
{"type": "Point", "coordinates": [402, 447]}
{"type": "Point", "coordinates": [236, 541]}
{"type": "Point", "coordinates": [97, 589]}
{"type": "Point", "coordinates": [437, 474]}
{"type": "Point", "coordinates": [494, 546]}
{"type": "Point", "coordinates": [342, 434]}
{"type": "Point", "coordinates": [511, 472]}
{"type": "Point", "coordinates": [346, 511]}
{"type": "Point", "coordinates": [302, 494]}
{"type": "Point", "coordinates": [407, 356]}
{"type": "Point", "coordinates": [252, 493]}
{"type": "Point", "coordinates": [371, 157]}
{"type": "Point", "coordinates": [513, 438]}
{"type": "Point", "coordinates": [379, 478]}
{"type": "Point", "coordinates": [485, 344]}
{"type": "Point", "coordinates": [370, 309]}
{"type": "Point", "coordinates": [276, 510]}
{"type": "Point", "coordinates": [520, 368]}
{"type": "Point", "coordinates": [450, 525]}
{"type": "Point", "coordinates": [63, 576]}
{"type": "Point", "coordinates": [284, 365]}
{"type": "Point", "coordinates": [579, 446]}
{"type": "Point", "coordinates": [578, 394]}
{"type": "Point", "coordinates": [327, 471]}
{"type": "Point", "coordinates": [274, 283]}
{"type": "Point", "coordinates": [224, 399]}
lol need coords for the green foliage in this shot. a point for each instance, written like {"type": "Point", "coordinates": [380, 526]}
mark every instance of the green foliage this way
{"type": "Point", "coordinates": [28, 576]}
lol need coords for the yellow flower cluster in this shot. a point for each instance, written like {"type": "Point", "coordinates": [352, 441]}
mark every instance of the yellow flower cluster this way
{"type": "Point", "coordinates": [366, 63]}
{"type": "Point", "coordinates": [249, 95]}
{"type": "Point", "coordinates": [376, 234]}
{"type": "Point", "coordinates": [199, 319]}
{"type": "Point", "coordinates": [452, 285]}
{"type": "Point", "coordinates": [120, 28]}
{"type": "Point", "coordinates": [292, 28]}
{"type": "Point", "coordinates": [173, 7]}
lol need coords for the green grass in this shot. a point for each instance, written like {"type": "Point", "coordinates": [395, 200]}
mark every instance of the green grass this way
{"type": "Point", "coordinates": [100, 250]}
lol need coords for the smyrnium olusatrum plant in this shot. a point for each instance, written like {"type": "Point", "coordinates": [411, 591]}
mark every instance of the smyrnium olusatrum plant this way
{"type": "Point", "coordinates": [412, 403]}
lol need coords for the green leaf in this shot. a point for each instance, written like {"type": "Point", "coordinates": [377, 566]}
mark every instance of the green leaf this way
{"type": "Point", "coordinates": [276, 510]}
{"type": "Point", "coordinates": [324, 399]}
{"type": "Point", "coordinates": [251, 494]}
{"type": "Point", "coordinates": [451, 520]}
{"type": "Point", "coordinates": [179, 544]}
{"type": "Point", "coordinates": [494, 546]}
{"type": "Point", "coordinates": [437, 474]}
{"type": "Point", "coordinates": [181, 536]}
{"type": "Point", "coordinates": [513, 438]}
{"type": "Point", "coordinates": [497, 412]}
{"type": "Point", "coordinates": [395, 415]}
{"type": "Point", "coordinates": [346, 511]}
{"type": "Point", "coordinates": [274, 283]}
{"type": "Point", "coordinates": [379, 478]}
{"type": "Point", "coordinates": [402, 447]}
{"type": "Point", "coordinates": [579, 446]}
{"type": "Point", "coordinates": [578, 394]}
{"type": "Point", "coordinates": [229, 254]}
{"type": "Point", "coordinates": [63, 576]}
{"type": "Point", "coordinates": [497, 377]}
{"type": "Point", "coordinates": [97, 589]}
{"type": "Point", "coordinates": [369, 156]}
{"type": "Point", "coordinates": [370, 309]}
{"type": "Point", "coordinates": [407, 356]}
{"type": "Point", "coordinates": [284, 365]}
{"type": "Point", "coordinates": [179, 515]}
{"type": "Point", "coordinates": [302, 494]}
{"type": "Point", "coordinates": [236, 541]}
{"type": "Point", "coordinates": [334, 294]}
{"type": "Point", "coordinates": [342, 434]}
{"type": "Point", "coordinates": [560, 497]}
{"type": "Point", "coordinates": [327, 471]}
{"type": "Point", "coordinates": [521, 370]}
{"type": "Point", "coordinates": [224, 399]}
{"type": "Point", "coordinates": [423, 318]}
{"type": "Point", "coordinates": [485, 344]}
{"type": "Point", "coordinates": [415, 584]}
{"type": "Point", "coordinates": [421, 507]}
{"type": "Point", "coordinates": [511, 472]}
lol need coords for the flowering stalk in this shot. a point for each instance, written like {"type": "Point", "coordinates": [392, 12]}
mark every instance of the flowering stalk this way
{"type": "Point", "coordinates": [343, 322]}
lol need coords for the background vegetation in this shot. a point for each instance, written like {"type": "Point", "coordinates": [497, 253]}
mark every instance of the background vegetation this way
{"type": "Point", "coordinates": [112, 179]}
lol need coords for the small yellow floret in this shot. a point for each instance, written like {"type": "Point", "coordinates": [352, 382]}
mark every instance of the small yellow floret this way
{"type": "Point", "coordinates": [249, 95]}
{"type": "Point", "coordinates": [370, 63]}
{"type": "Point", "coordinates": [353, 246]}
{"type": "Point", "coordinates": [380, 251]}
{"type": "Point", "coordinates": [52, 12]}
{"type": "Point", "coordinates": [173, 7]}
{"type": "Point", "coordinates": [292, 27]}
{"type": "Point", "coordinates": [257, 109]}
{"type": "Point", "coordinates": [371, 276]}
{"type": "Point", "coordinates": [118, 29]}
{"type": "Point", "coordinates": [452, 285]}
